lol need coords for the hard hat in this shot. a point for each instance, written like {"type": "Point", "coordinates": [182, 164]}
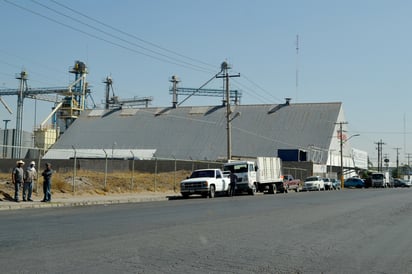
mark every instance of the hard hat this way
{"type": "Point", "coordinates": [20, 162]}
{"type": "Point", "coordinates": [32, 163]}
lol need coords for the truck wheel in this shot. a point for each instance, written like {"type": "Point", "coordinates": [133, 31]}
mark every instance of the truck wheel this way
{"type": "Point", "coordinates": [272, 189]}
{"type": "Point", "coordinates": [212, 191]}
{"type": "Point", "coordinates": [253, 190]}
{"type": "Point", "coordinates": [185, 195]}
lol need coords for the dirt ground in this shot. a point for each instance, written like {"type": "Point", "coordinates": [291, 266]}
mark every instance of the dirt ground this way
{"type": "Point", "coordinates": [96, 183]}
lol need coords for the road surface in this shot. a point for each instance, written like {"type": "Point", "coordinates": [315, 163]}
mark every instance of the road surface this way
{"type": "Point", "coordinates": [349, 231]}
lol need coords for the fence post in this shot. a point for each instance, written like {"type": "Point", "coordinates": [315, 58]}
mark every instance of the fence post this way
{"type": "Point", "coordinates": [174, 175]}
{"type": "Point", "coordinates": [38, 171]}
{"type": "Point", "coordinates": [74, 170]}
{"type": "Point", "coordinates": [131, 184]}
{"type": "Point", "coordinates": [105, 171]}
{"type": "Point", "coordinates": [155, 174]}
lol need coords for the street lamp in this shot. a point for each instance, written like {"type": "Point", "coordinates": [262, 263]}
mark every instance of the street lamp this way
{"type": "Point", "coordinates": [341, 155]}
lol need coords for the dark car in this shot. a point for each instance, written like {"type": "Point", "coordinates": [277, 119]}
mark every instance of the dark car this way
{"type": "Point", "coordinates": [400, 183]}
{"type": "Point", "coordinates": [354, 182]}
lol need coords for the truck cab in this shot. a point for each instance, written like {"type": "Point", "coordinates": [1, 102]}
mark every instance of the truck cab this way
{"type": "Point", "coordinates": [246, 175]}
{"type": "Point", "coordinates": [378, 180]}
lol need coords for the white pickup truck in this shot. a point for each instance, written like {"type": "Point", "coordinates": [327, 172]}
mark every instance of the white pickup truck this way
{"type": "Point", "coordinates": [206, 182]}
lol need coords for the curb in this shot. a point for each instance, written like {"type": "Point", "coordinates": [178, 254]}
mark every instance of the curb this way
{"type": "Point", "coordinates": [22, 205]}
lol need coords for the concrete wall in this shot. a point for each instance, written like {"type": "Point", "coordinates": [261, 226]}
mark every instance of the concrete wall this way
{"type": "Point", "coordinates": [99, 165]}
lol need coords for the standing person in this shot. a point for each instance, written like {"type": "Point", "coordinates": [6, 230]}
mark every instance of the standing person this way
{"type": "Point", "coordinates": [47, 175]}
{"type": "Point", "coordinates": [233, 179]}
{"type": "Point", "coordinates": [17, 179]}
{"type": "Point", "coordinates": [30, 175]}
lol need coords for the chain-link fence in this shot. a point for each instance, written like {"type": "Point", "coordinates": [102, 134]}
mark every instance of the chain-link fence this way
{"type": "Point", "coordinates": [80, 175]}
{"type": "Point", "coordinates": [112, 175]}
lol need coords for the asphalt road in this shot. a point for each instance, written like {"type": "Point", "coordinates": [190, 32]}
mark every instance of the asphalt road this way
{"type": "Point", "coordinates": [350, 231]}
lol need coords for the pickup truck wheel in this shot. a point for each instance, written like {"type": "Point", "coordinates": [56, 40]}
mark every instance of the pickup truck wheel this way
{"type": "Point", "coordinates": [212, 191]}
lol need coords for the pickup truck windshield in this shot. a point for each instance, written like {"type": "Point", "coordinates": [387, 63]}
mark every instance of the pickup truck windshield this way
{"type": "Point", "coordinates": [203, 173]}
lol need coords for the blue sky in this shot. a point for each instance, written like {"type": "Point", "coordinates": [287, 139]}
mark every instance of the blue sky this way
{"type": "Point", "coordinates": [354, 52]}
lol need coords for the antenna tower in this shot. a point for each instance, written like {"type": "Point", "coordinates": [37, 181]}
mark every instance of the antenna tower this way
{"type": "Point", "coordinates": [297, 67]}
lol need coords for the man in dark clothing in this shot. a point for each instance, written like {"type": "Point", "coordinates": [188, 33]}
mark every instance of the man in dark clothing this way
{"type": "Point", "coordinates": [233, 179]}
{"type": "Point", "coordinates": [47, 175]}
{"type": "Point", "coordinates": [17, 179]}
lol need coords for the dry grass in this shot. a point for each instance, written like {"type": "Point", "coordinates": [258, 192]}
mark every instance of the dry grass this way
{"type": "Point", "coordinates": [93, 183]}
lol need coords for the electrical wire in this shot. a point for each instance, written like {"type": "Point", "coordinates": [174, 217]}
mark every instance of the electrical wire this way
{"type": "Point", "coordinates": [116, 37]}
{"type": "Point", "coordinates": [97, 37]}
{"type": "Point", "coordinates": [163, 58]}
{"type": "Point", "coordinates": [259, 87]}
{"type": "Point", "coordinates": [131, 35]}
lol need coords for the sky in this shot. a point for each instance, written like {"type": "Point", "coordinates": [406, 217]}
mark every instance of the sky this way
{"type": "Point", "coordinates": [354, 52]}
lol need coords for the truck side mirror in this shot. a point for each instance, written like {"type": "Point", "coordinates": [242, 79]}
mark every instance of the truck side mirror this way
{"type": "Point", "coordinates": [256, 168]}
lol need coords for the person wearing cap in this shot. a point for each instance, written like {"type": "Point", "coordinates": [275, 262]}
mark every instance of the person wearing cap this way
{"type": "Point", "coordinates": [47, 175]}
{"type": "Point", "coordinates": [17, 178]}
{"type": "Point", "coordinates": [30, 175]}
{"type": "Point", "coordinates": [232, 185]}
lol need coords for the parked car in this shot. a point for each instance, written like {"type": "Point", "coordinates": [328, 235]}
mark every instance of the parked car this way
{"type": "Point", "coordinates": [335, 184]}
{"type": "Point", "coordinates": [328, 183]}
{"type": "Point", "coordinates": [401, 183]}
{"type": "Point", "coordinates": [354, 182]}
{"type": "Point", "coordinates": [313, 183]}
{"type": "Point", "coordinates": [290, 183]}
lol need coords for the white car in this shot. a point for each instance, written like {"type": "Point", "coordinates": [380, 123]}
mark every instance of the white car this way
{"type": "Point", "coordinates": [313, 183]}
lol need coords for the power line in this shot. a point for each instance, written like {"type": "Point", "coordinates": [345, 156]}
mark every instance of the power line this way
{"type": "Point", "coordinates": [114, 36]}
{"type": "Point", "coordinates": [97, 37]}
{"type": "Point", "coordinates": [131, 35]}
{"type": "Point", "coordinates": [260, 88]}
{"type": "Point", "coordinates": [167, 58]}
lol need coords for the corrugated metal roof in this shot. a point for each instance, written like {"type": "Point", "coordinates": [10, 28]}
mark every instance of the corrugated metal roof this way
{"type": "Point", "coordinates": [138, 154]}
{"type": "Point", "coordinates": [259, 130]}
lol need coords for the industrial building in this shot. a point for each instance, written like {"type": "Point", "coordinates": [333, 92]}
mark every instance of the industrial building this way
{"type": "Point", "coordinates": [214, 133]}
{"type": "Point", "coordinates": [199, 133]}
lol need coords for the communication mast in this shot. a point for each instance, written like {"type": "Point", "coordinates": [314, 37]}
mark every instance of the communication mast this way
{"type": "Point", "coordinates": [297, 67]}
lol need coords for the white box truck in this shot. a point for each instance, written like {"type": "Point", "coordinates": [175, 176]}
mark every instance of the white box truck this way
{"type": "Point", "coordinates": [257, 174]}
{"type": "Point", "coordinates": [380, 179]}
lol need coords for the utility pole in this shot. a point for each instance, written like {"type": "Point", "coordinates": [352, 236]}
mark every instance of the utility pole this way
{"type": "Point", "coordinates": [397, 161]}
{"type": "Point", "coordinates": [408, 156]}
{"type": "Point", "coordinates": [225, 67]}
{"type": "Point", "coordinates": [340, 136]}
{"type": "Point", "coordinates": [380, 144]}
{"type": "Point", "coordinates": [330, 162]}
